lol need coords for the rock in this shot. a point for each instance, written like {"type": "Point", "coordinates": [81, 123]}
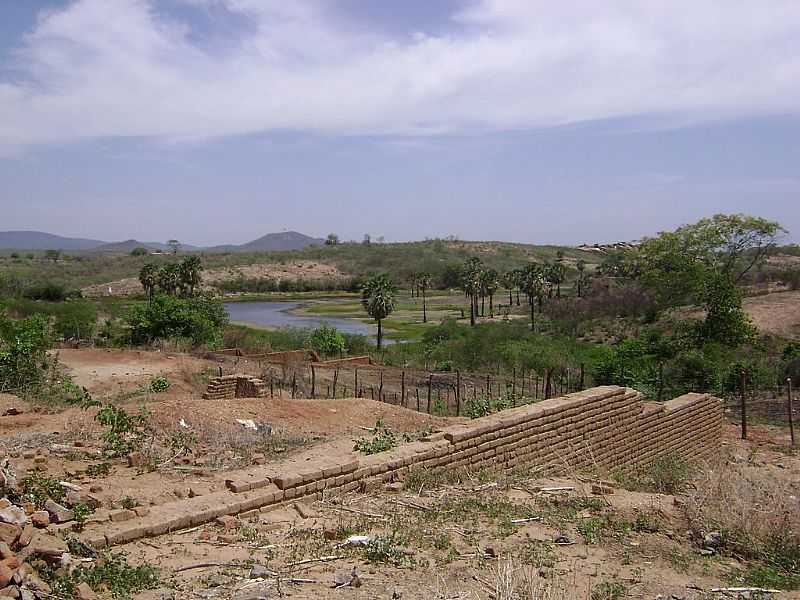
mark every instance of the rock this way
{"type": "Point", "coordinates": [9, 533]}
{"type": "Point", "coordinates": [259, 572]}
{"type": "Point", "coordinates": [12, 562]}
{"type": "Point", "coordinates": [252, 593]}
{"type": "Point", "coordinates": [346, 578]}
{"type": "Point", "coordinates": [40, 518]}
{"type": "Point", "coordinates": [227, 521]}
{"type": "Point", "coordinates": [13, 515]}
{"type": "Point", "coordinates": [6, 575]}
{"type": "Point", "coordinates": [329, 533]}
{"type": "Point", "coordinates": [227, 539]}
{"type": "Point", "coordinates": [84, 592]}
{"type": "Point", "coordinates": [5, 551]}
{"type": "Point", "coordinates": [123, 514]}
{"type": "Point", "coordinates": [11, 591]}
{"type": "Point", "coordinates": [712, 540]}
{"type": "Point", "coordinates": [47, 546]}
{"type": "Point", "coordinates": [141, 511]}
{"type": "Point", "coordinates": [58, 513]}
{"type": "Point", "coordinates": [95, 489]}
{"type": "Point", "coordinates": [37, 585]}
{"type": "Point", "coordinates": [490, 551]}
{"type": "Point", "coordinates": [707, 552]}
{"type": "Point", "coordinates": [305, 511]}
{"type": "Point", "coordinates": [394, 488]}
{"type": "Point", "coordinates": [602, 490]}
{"type": "Point", "coordinates": [74, 497]}
{"type": "Point", "coordinates": [5, 503]}
{"type": "Point", "coordinates": [135, 459]}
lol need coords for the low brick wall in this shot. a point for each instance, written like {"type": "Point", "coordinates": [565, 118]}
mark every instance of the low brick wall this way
{"type": "Point", "coordinates": [607, 427]}
{"type": "Point", "coordinates": [235, 386]}
{"type": "Point", "coordinates": [344, 362]}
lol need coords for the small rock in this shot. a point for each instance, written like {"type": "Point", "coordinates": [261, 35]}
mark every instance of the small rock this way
{"type": "Point", "coordinates": [84, 592]}
{"type": "Point", "coordinates": [227, 521]}
{"type": "Point", "coordinates": [259, 572]}
{"type": "Point", "coordinates": [41, 518]}
{"type": "Point", "coordinates": [602, 490]}
{"type": "Point", "coordinates": [6, 575]}
{"type": "Point", "coordinates": [47, 546]}
{"type": "Point", "coordinates": [395, 487]}
{"type": "Point", "coordinates": [123, 514]}
{"type": "Point", "coordinates": [5, 551]}
{"type": "Point", "coordinates": [12, 591]}
{"type": "Point", "coordinates": [9, 533]}
{"type": "Point", "coordinates": [252, 593]}
{"type": "Point", "coordinates": [13, 515]}
{"type": "Point", "coordinates": [707, 552]}
{"type": "Point", "coordinates": [305, 511]}
{"type": "Point", "coordinates": [329, 533]}
{"type": "Point", "coordinates": [490, 551]}
{"type": "Point", "coordinates": [141, 511]}
{"type": "Point", "coordinates": [26, 536]}
{"type": "Point", "coordinates": [58, 513]}
{"type": "Point", "coordinates": [135, 459]}
{"type": "Point", "coordinates": [226, 539]}
{"type": "Point", "coordinates": [712, 540]}
{"type": "Point", "coordinates": [4, 503]}
{"type": "Point", "coordinates": [95, 489]}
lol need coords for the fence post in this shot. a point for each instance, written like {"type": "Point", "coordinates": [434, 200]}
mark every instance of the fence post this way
{"type": "Point", "coordinates": [417, 390]}
{"type": "Point", "coordinates": [488, 387]}
{"type": "Point", "coordinates": [294, 385]}
{"type": "Point", "coordinates": [380, 389]}
{"type": "Point", "coordinates": [355, 385]}
{"type": "Point", "coordinates": [271, 389]}
{"type": "Point", "coordinates": [514, 385]}
{"type": "Point", "coordinates": [335, 380]}
{"type": "Point", "coordinates": [583, 383]}
{"type": "Point", "coordinates": [743, 381]}
{"type": "Point", "coordinates": [790, 408]}
{"type": "Point", "coordinates": [403, 387]}
{"type": "Point", "coordinates": [458, 393]}
{"type": "Point", "coordinates": [430, 384]}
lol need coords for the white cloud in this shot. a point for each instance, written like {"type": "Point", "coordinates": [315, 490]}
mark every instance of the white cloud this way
{"type": "Point", "coordinates": [99, 68]}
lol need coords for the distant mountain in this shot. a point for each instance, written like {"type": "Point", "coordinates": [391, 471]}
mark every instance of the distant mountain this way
{"type": "Point", "coordinates": [128, 245]}
{"type": "Point", "coordinates": [38, 240]}
{"type": "Point", "coordinates": [286, 240]}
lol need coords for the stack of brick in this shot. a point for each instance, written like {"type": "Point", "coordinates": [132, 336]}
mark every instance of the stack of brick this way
{"type": "Point", "coordinates": [221, 387]}
{"type": "Point", "coordinates": [607, 427]}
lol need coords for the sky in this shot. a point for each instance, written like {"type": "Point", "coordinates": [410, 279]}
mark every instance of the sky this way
{"type": "Point", "coordinates": [217, 121]}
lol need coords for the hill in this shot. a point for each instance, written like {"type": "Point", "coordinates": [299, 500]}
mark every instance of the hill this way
{"type": "Point", "coordinates": [39, 240]}
{"type": "Point", "coordinates": [128, 245]}
{"type": "Point", "coordinates": [272, 242]}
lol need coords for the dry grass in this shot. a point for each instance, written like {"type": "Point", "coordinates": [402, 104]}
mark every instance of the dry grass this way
{"type": "Point", "coordinates": [756, 513]}
{"type": "Point", "coordinates": [513, 581]}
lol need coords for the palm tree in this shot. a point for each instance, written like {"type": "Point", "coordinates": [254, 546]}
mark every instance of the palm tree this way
{"type": "Point", "coordinates": [148, 277]}
{"type": "Point", "coordinates": [377, 298]}
{"type": "Point", "coordinates": [169, 279]}
{"type": "Point", "coordinates": [190, 273]}
{"type": "Point", "coordinates": [423, 282]}
{"type": "Point", "coordinates": [581, 266]}
{"type": "Point", "coordinates": [533, 284]}
{"type": "Point", "coordinates": [510, 282]}
{"type": "Point", "coordinates": [471, 284]}
{"type": "Point", "coordinates": [490, 281]}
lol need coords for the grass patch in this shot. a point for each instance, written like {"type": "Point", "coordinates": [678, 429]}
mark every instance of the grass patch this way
{"type": "Point", "coordinates": [668, 474]}
{"type": "Point", "coordinates": [383, 440]}
{"type": "Point", "coordinates": [110, 572]}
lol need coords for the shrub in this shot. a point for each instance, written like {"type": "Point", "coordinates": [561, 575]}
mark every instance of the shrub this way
{"type": "Point", "coordinates": [52, 292]}
{"type": "Point", "coordinates": [124, 432]}
{"type": "Point", "coordinates": [327, 340]}
{"type": "Point", "coordinates": [201, 320]}
{"type": "Point", "coordinates": [159, 384]}
{"type": "Point", "coordinates": [383, 440]}
{"type": "Point", "coordinates": [23, 345]}
{"type": "Point", "coordinates": [112, 572]}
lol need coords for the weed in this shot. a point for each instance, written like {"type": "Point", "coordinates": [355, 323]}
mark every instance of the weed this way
{"type": "Point", "coordinates": [668, 474]}
{"type": "Point", "coordinates": [159, 384]}
{"type": "Point", "coordinates": [99, 470]}
{"type": "Point", "coordinates": [111, 571]}
{"type": "Point", "coordinates": [383, 440]}
{"type": "Point", "coordinates": [538, 553]}
{"type": "Point", "coordinates": [766, 576]}
{"type": "Point", "coordinates": [80, 512]}
{"type": "Point", "coordinates": [386, 549]}
{"type": "Point", "coordinates": [128, 503]}
{"type": "Point", "coordinates": [609, 590]}
{"type": "Point", "coordinates": [38, 488]}
{"type": "Point", "coordinates": [125, 432]}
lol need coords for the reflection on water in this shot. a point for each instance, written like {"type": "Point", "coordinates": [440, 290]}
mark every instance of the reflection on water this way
{"type": "Point", "coordinates": [277, 314]}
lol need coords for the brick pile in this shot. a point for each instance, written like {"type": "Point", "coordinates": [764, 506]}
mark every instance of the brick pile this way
{"type": "Point", "coordinates": [608, 427]}
{"type": "Point", "coordinates": [235, 386]}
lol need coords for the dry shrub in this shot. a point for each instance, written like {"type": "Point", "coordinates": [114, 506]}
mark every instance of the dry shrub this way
{"type": "Point", "coordinates": [513, 581]}
{"type": "Point", "coordinates": [757, 514]}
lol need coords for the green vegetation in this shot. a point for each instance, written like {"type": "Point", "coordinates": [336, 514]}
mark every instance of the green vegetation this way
{"type": "Point", "coordinates": [384, 439]}
{"type": "Point", "coordinates": [327, 341]}
{"type": "Point", "coordinates": [110, 572]}
{"type": "Point", "coordinates": [159, 384]}
{"type": "Point", "coordinates": [377, 298]}
{"type": "Point", "coordinates": [200, 320]}
{"type": "Point", "coordinates": [124, 433]}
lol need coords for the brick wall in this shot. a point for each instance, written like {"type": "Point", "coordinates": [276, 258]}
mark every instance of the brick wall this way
{"type": "Point", "coordinates": [235, 386]}
{"type": "Point", "coordinates": [607, 427]}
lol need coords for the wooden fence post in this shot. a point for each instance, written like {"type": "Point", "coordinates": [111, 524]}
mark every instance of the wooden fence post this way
{"type": "Point", "coordinates": [790, 408]}
{"type": "Point", "coordinates": [335, 380]}
{"type": "Point", "coordinates": [488, 387]}
{"type": "Point", "coordinates": [743, 382]}
{"type": "Point", "coordinates": [355, 385]}
{"type": "Point", "coordinates": [430, 384]}
{"type": "Point", "coordinates": [294, 385]}
{"type": "Point", "coordinates": [403, 388]}
{"type": "Point", "coordinates": [380, 389]}
{"type": "Point", "coordinates": [458, 393]}
{"type": "Point", "coordinates": [417, 390]}
{"type": "Point", "coordinates": [514, 385]}
{"type": "Point", "coordinates": [583, 381]}
{"type": "Point", "coordinates": [313, 381]}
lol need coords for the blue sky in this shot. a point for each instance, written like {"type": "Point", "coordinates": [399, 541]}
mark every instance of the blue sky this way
{"type": "Point", "coordinates": [216, 121]}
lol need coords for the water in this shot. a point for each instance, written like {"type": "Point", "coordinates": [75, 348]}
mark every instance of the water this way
{"type": "Point", "coordinates": [278, 314]}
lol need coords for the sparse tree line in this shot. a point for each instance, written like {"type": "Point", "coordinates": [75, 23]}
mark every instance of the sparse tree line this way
{"type": "Point", "coordinates": [174, 279]}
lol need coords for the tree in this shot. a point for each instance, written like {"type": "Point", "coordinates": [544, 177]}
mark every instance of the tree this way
{"type": "Point", "coordinates": [169, 279]}
{"type": "Point", "coordinates": [490, 281]}
{"type": "Point", "coordinates": [423, 282]}
{"type": "Point", "coordinates": [471, 284]}
{"type": "Point", "coordinates": [327, 340]}
{"type": "Point", "coordinates": [582, 279]}
{"type": "Point", "coordinates": [377, 298]}
{"type": "Point", "coordinates": [191, 269]}
{"type": "Point", "coordinates": [533, 284]}
{"type": "Point", "coordinates": [367, 240]}
{"type": "Point", "coordinates": [200, 319]}
{"type": "Point", "coordinates": [332, 240]}
{"type": "Point", "coordinates": [510, 283]}
{"type": "Point", "coordinates": [149, 278]}
{"type": "Point", "coordinates": [703, 263]}
{"type": "Point", "coordinates": [23, 351]}
{"type": "Point", "coordinates": [53, 255]}
{"type": "Point", "coordinates": [174, 245]}
{"type": "Point", "coordinates": [140, 251]}
{"type": "Point", "coordinates": [555, 275]}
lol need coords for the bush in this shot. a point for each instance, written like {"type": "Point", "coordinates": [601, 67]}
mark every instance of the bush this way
{"type": "Point", "coordinates": [383, 440]}
{"type": "Point", "coordinates": [201, 320]}
{"type": "Point", "coordinates": [327, 340]}
{"type": "Point", "coordinates": [23, 346]}
{"type": "Point", "coordinates": [159, 384]}
{"type": "Point", "coordinates": [52, 292]}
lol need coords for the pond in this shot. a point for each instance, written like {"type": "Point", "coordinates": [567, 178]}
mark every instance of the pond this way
{"type": "Point", "coordinates": [281, 314]}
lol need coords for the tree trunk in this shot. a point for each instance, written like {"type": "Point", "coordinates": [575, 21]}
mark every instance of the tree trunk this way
{"type": "Point", "coordinates": [510, 298]}
{"type": "Point", "coordinates": [491, 306]}
{"type": "Point", "coordinates": [533, 316]}
{"type": "Point", "coordinates": [380, 334]}
{"type": "Point", "coordinates": [517, 297]}
{"type": "Point", "coordinates": [483, 305]}
{"type": "Point", "coordinates": [471, 312]}
{"type": "Point", "coordinates": [424, 308]}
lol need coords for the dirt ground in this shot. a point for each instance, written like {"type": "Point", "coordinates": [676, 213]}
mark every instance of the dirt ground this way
{"type": "Point", "coordinates": [777, 313]}
{"type": "Point", "coordinates": [307, 270]}
{"type": "Point", "coordinates": [453, 536]}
